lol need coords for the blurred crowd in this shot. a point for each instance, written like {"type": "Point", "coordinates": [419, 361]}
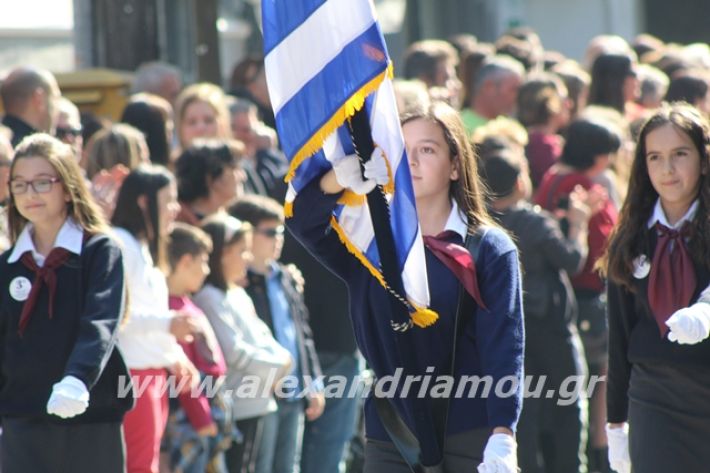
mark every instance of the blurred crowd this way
{"type": "Point", "coordinates": [554, 136]}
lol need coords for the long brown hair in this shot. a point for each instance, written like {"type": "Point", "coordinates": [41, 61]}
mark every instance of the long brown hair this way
{"type": "Point", "coordinates": [224, 230]}
{"type": "Point", "coordinates": [144, 223]}
{"type": "Point", "coordinates": [81, 206]}
{"type": "Point", "coordinates": [628, 239]}
{"type": "Point", "coordinates": [468, 191]}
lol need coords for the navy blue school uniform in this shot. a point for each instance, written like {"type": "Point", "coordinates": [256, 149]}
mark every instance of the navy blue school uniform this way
{"type": "Point", "coordinates": [660, 387]}
{"type": "Point", "coordinates": [78, 340]}
{"type": "Point", "coordinates": [491, 343]}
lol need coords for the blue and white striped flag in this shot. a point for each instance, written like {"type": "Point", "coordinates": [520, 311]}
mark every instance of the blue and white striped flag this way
{"type": "Point", "coordinates": [325, 60]}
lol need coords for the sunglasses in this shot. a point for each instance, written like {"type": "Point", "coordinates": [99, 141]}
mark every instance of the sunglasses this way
{"type": "Point", "coordinates": [271, 232]}
{"type": "Point", "coordinates": [63, 132]}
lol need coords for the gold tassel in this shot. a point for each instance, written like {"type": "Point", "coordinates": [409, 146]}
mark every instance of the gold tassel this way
{"type": "Point", "coordinates": [351, 199]}
{"type": "Point", "coordinates": [353, 250]}
{"type": "Point", "coordinates": [423, 317]}
{"type": "Point", "coordinates": [288, 209]}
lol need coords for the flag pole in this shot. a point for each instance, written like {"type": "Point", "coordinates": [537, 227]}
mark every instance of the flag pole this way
{"type": "Point", "coordinates": [380, 215]}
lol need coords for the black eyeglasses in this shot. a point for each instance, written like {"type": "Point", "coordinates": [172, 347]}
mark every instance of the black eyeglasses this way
{"type": "Point", "coordinates": [62, 132]}
{"type": "Point", "coordinates": [271, 232]}
{"type": "Point", "coordinates": [40, 186]}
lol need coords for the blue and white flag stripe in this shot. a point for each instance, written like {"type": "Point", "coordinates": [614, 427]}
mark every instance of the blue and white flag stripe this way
{"type": "Point", "coordinates": [317, 101]}
{"type": "Point", "coordinates": [281, 17]}
{"type": "Point", "coordinates": [313, 44]}
{"type": "Point", "coordinates": [320, 69]}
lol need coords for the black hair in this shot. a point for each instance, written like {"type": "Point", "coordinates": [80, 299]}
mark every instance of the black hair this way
{"type": "Point", "coordinates": [186, 240]}
{"type": "Point", "coordinates": [500, 172]}
{"type": "Point", "coordinates": [199, 165]}
{"type": "Point", "coordinates": [224, 230]}
{"type": "Point", "coordinates": [146, 180]}
{"type": "Point", "coordinates": [587, 139]}
{"type": "Point", "coordinates": [256, 209]}
{"type": "Point", "coordinates": [151, 121]}
{"type": "Point", "coordinates": [608, 74]}
{"type": "Point", "coordinates": [687, 87]}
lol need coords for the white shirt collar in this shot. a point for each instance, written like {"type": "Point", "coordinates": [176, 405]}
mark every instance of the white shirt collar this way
{"type": "Point", "coordinates": [70, 237]}
{"type": "Point", "coordinates": [457, 221]}
{"type": "Point", "coordinates": [659, 216]}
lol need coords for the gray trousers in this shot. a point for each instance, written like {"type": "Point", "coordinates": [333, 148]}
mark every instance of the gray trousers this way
{"type": "Point", "coordinates": [38, 446]}
{"type": "Point", "coordinates": [462, 453]}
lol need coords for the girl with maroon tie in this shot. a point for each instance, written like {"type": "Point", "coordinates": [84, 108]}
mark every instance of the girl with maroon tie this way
{"type": "Point", "coordinates": [658, 261]}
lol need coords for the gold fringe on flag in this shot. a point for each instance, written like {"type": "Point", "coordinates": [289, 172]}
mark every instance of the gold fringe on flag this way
{"type": "Point", "coordinates": [421, 317]}
{"type": "Point", "coordinates": [348, 109]}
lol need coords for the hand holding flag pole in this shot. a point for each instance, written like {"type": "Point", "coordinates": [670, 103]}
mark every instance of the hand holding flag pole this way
{"type": "Point", "coordinates": [359, 126]}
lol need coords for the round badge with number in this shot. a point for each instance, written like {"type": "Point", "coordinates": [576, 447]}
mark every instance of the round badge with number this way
{"type": "Point", "coordinates": [20, 288]}
{"type": "Point", "coordinates": [642, 266]}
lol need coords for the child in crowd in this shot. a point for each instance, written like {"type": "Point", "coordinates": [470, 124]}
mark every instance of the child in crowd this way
{"type": "Point", "coordinates": [188, 254]}
{"type": "Point", "coordinates": [255, 360]}
{"type": "Point", "coordinates": [61, 306]}
{"type": "Point", "coordinates": [275, 291]}
{"type": "Point", "coordinates": [145, 211]}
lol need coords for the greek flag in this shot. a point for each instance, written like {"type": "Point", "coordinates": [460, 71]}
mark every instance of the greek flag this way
{"type": "Point", "coordinates": [324, 61]}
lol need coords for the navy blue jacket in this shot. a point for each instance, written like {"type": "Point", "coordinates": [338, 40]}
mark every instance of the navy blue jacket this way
{"type": "Point", "coordinates": [79, 340]}
{"type": "Point", "coordinates": [492, 342]}
{"type": "Point", "coordinates": [634, 337]}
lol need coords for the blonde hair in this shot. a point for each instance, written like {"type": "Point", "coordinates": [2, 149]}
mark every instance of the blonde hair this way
{"type": "Point", "coordinates": [505, 127]}
{"type": "Point", "coordinates": [210, 94]}
{"type": "Point", "coordinates": [81, 206]}
{"type": "Point", "coordinates": [120, 144]}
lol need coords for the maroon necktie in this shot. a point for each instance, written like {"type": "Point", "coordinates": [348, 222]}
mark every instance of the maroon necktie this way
{"type": "Point", "coordinates": [672, 281]}
{"type": "Point", "coordinates": [43, 275]}
{"type": "Point", "coordinates": [458, 260]}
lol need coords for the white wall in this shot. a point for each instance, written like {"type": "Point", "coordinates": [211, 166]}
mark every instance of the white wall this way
{"type": "Point", "coordinates": [568, 25]}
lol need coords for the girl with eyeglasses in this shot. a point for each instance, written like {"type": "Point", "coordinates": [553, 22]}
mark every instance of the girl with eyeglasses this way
{"type": "Point", "coordinates": [61, 306]}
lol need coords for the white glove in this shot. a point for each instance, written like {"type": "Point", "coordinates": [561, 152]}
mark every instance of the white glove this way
{"type": "Point", "coordinates": [618, 440]}
{"type": "Point", "coordinates": [69, 398]}
{"type": "Point", "coordinates": [348, 174]}
{"type": "Point", "coordinates": [690, 325]}
{"type": "Point", "coordinates": [500, 455]}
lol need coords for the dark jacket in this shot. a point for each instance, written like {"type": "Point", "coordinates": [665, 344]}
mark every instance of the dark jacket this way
{"type": "Point", "coordinates": [634, 337]}
{"type": "Point", "coordinates": [548, 259]}
{"type": "Point", "coordinates": [326, 298]}
{"type": "Point", "coordinates": [308, 363]}
{"type": "Point", "coordinates": [491, 343]}
{"type": "Point", "coordinates": [79, 340]}
{"type": "Point", "coordinates": [20, 128]}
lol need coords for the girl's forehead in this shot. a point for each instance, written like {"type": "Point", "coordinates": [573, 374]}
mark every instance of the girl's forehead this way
{"type": "Point", "coordinates": [669, 134]}
{"type": "Point", "coordinates": [33, 165]}
{"type": "Point", "coordinates": [421, 128]}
